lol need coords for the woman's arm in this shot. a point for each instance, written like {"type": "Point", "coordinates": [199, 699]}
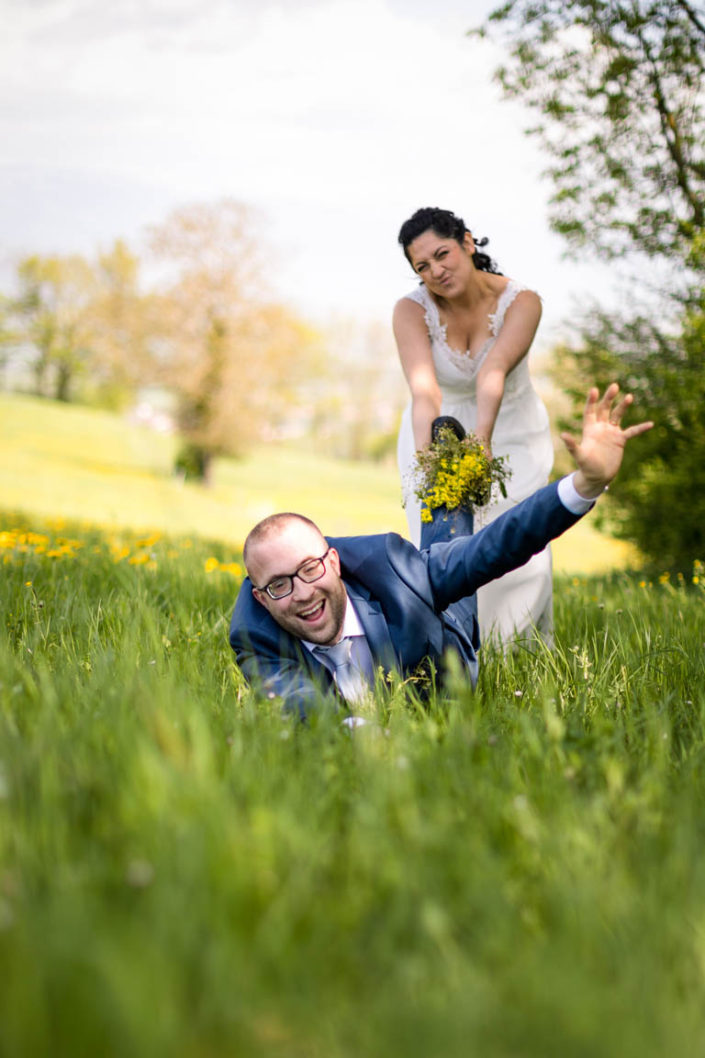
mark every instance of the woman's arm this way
{"type": "Point", "coordinates": [414, 349]}
{"type": "Point", "coordinates": [510, 347]}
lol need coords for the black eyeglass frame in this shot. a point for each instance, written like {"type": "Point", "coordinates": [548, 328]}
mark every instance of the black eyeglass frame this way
{"type": "Point", "coordinates": [297, 573]}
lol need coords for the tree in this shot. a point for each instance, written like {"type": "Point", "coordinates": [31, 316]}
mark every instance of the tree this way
{"type": "Point", "coordinates": [618, 87]}
{"type": "Point", "coordinates": [52, 314]}
{"type": "Point", "coordinates": [123, 326]}
{"type": "Point", "coordinates": [658, 502]}
{"type": "Point", "coordinates": [85, 324]}
{"type": "Point", "coordinates": [233, 358]}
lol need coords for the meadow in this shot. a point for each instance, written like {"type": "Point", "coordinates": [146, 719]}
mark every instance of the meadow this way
{"type": "Point", "coordinates": [99, 468]}
{"type": "Point", "coordinates": [514, 871]}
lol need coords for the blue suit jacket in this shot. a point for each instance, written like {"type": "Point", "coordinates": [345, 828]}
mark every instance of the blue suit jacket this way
{"type": "Point", "coordinates": [413, 604]}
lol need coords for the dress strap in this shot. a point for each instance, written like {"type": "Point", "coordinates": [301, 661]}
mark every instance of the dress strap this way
{"type": "Point", "coordinates": [503, 302]}
{"type": "Point", "coordinates": [432, 316]}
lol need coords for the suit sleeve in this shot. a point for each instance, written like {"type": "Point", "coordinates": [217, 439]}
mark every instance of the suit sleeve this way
{"type": "Point", "coordinates": [276, 678]}
{"type": "Point", "coordinates": [459, 568]}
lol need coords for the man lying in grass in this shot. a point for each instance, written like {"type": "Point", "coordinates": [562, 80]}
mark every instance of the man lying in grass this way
{"type": "Point", "coordinates": [319, 615]}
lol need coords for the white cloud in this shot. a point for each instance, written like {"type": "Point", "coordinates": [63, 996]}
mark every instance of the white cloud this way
{"type": "Point", "coordinates": [336, 117]}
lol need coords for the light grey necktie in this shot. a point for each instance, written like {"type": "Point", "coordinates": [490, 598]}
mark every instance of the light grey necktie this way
{"type": "Point", "coordinates": [338, 658]}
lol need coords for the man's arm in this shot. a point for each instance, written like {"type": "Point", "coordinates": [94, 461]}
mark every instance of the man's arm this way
{"type": "Point", "coordinates": [284, 679]}
{"type": "Point", "coordinates": [459, 568]}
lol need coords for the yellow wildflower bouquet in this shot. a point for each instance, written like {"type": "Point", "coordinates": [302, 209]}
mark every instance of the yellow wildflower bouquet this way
{"type": "Point", "coordinates": [456, 474]}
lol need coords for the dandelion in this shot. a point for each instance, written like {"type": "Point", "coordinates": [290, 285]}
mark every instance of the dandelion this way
{"type": "Point", "coordinates": [211, 564]}
{"type": "Point", "coordinates": [148, 541]}
{"type": "Point", "coordinates": [139, 560]}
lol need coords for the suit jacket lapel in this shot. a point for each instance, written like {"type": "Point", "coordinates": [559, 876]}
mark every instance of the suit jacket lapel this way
{"type": "Point", "coordinates": [375, 625]}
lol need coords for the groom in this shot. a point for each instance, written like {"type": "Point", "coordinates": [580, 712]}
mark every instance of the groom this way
{"type": "Point", "coordinates": [319, 615]}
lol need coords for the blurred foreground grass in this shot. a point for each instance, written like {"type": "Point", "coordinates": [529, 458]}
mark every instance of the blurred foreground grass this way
{"type": "Point", "coordinates": [91, 466]}
{"type": "Point", "coordinates": [184, 874]}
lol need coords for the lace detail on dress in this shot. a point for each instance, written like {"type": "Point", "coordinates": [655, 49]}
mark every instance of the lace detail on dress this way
{"type": "Point", "coordinates": [438, 332]}
{"type": "Point", "coordinates": [505, 300]}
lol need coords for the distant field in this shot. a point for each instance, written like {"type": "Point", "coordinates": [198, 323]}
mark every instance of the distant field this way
{"type": "Point", "coordinates": [99, 468]}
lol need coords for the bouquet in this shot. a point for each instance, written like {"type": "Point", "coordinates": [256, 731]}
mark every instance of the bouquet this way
{"type": "Point", "coordinates": [456, 473]}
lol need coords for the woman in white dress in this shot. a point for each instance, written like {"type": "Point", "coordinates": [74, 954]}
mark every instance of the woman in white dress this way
{"type": "Point", "coordinates": [463, 336]}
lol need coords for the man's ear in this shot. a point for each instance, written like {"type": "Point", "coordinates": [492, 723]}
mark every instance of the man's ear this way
{"type": "Point", "coordinates": [334, 558]}
{"type": "Point", "coordinates": [259, 597]}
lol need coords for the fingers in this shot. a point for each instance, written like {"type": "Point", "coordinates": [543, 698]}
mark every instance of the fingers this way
{"type": "Point", "coordinates": [606, 410]}
{"type": "Point", "coordinates": [570, 442]}
{"type": "Point", "coordinates": [591, 402]}
{"type": "Point", "coordinates": [634, 431]}
{"type": "Point", "coordinates": [609, 395]}
{"type": "Point", "coordinates": [615, 415]}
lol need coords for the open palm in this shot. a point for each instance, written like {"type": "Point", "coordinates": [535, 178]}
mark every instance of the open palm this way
{"type": "Point", "coordinates": [599, 451]}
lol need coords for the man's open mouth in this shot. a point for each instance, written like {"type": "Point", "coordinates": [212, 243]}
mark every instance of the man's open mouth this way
{"type": "Point", "coordinates": [313, 612]}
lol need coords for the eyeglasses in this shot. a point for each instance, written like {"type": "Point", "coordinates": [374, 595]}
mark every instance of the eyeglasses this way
{"type": "Point", "coordinates": [311, 570]}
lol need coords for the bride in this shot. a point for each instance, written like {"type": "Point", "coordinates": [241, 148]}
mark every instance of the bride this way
{"type": "Point", "coordinates": [463, 337]}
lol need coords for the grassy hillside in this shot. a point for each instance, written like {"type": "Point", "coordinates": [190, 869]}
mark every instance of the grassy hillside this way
{"type": "Point", "coordinates": [98, 468]}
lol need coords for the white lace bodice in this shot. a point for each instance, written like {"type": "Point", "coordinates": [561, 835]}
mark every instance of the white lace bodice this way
{"type": "Point", "coordinates": [457, 370]}
{"type": "Point", "coordinates": [521, 431]}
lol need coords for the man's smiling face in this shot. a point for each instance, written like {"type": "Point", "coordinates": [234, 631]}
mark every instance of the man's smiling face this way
{"type": "Point", "coordinates": [313, 611]}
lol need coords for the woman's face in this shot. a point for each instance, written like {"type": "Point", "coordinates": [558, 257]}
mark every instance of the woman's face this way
{"type": "Point", "coordinates": [443, 264]}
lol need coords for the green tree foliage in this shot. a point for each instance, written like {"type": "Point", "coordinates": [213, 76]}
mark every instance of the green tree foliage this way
{"type": "Point", "coordinates": [659, 501]}
{"type": "Point", "coordinates": [84, 324]}
{"type": "Point", "coordinates": [618, 90]}
{"type": "Point", "coordinates": [52, 315]}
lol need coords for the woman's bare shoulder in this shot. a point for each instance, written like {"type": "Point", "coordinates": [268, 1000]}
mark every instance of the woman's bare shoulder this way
{"type": "Point", "coordinates": [408, 308]}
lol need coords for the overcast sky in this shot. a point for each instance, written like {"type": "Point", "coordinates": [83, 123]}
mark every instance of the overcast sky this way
{"type": "Point", "coordinates": [336, 118]}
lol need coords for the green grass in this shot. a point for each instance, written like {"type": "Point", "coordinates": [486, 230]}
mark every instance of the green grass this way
{"type": "Point", "coordinates": [512, 872]}
{"type": "Point", "coordinates": [94, 467]}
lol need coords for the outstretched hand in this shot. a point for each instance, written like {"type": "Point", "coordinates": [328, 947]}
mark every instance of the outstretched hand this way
{"type": "Point", "coordinates": [599, 451]}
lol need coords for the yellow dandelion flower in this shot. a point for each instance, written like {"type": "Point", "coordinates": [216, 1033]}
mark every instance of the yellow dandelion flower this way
{"type": "Point", "coordinates": [148, 541]}
{"type": "Point", "coordinates": [211, 564]}
{"type": "Point", "coordinates": [139, 560]}
{"type": "Point", "coordinates": [232, 568]}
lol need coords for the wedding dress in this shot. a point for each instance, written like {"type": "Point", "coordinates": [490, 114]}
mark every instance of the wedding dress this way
{"type": "Point", "coordinates": [520, 602]}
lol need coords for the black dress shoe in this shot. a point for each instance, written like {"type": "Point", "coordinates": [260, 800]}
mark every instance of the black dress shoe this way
{"type": "Point", "coordinates": [447, 422]}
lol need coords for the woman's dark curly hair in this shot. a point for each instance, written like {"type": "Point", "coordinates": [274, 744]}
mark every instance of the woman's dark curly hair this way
{"type": "Point", "coordinates": [447, 226]}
